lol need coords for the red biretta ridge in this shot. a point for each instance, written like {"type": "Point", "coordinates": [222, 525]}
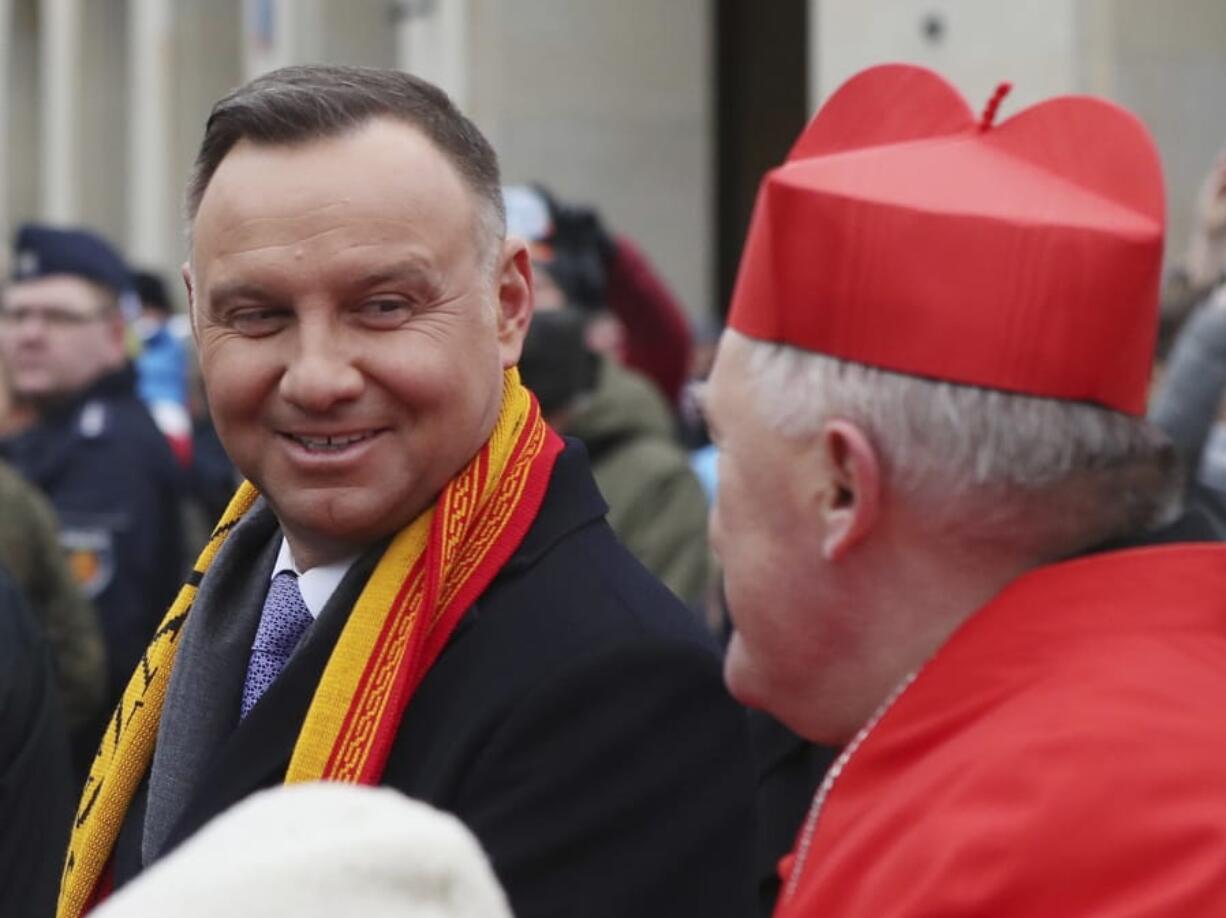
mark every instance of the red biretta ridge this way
{"type": "Point", "coordinates": [905, 233]}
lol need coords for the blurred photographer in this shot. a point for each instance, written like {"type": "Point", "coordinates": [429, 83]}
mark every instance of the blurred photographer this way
{"type": "Point", "coordinates": [656, 505]}
{"type": "Point", "coordinates": [632, 315]}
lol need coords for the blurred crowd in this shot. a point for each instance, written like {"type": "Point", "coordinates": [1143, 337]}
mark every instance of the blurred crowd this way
{"type": "Point", "coordinates": [1187, 401]}
{"type": "Point", "coordinates": [112, 476]}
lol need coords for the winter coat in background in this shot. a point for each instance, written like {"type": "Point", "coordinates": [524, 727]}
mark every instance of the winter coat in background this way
{"type": "Point", "coordinates": [30, 550]}
{"type": "Point", "coordinates": [37, 791]}
{"type": "Point", "coordinates": [656, 504]}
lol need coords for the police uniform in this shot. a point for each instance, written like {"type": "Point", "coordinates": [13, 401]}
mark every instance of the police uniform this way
{"type": "Point", "coordinates": [117, 490]}
{"type": "Point", "coordinates": [108, 471]}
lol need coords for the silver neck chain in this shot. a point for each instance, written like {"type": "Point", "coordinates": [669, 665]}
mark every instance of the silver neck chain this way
{"type": "Point", "coordinates": [832, 775]}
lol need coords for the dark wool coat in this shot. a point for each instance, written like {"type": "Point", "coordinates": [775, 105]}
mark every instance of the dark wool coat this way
{"type": "Point", "coordinates": [576, 721]}
{"type": "Point", "coordinates": [36, 785]}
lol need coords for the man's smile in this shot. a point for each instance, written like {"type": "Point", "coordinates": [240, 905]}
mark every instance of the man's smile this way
{"type": "Point", "coordinates": [323, 443]}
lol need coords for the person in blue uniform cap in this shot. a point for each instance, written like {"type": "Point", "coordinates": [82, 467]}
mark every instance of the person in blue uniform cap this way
{"type": "Point", "coordinates": [90, 443]}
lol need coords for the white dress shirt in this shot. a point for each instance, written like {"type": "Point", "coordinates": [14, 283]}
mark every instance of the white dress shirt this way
{"type": "Point", "coordinates": [316, 585]}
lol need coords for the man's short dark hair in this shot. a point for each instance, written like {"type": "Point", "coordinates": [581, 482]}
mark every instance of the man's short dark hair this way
{"type": "Point", "coordinates": [300, 104]}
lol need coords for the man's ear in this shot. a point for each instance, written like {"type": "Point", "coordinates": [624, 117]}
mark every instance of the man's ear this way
{"type": "Point", "coordinates": [851, 506]}
{"type": "Point", "coordinates": [514, 300]}
{"type": "Point", "coordinates": [191, 294]}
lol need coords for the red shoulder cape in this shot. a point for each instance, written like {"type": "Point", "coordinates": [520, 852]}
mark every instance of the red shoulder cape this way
{"type": "Point", "coordinates": [1063, 754]}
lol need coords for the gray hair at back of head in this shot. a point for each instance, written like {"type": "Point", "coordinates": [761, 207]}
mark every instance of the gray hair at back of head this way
{"type": "Point", "coordinates": [1053, 476]}
{"type": "Point", "coordinates": [300, 104]}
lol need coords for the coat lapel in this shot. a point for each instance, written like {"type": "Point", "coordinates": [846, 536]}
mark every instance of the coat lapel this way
{"type": "Point", "coordinates": [255, 752]}
{"type": "Point", "coordinates": [202, 698]}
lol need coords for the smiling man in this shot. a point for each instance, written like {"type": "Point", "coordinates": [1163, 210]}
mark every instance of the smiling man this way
{"type": "Point", "coordinates": [417, 586]}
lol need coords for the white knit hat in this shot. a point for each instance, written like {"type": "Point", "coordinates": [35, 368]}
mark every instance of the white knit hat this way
{"type": "Point", "coordinates": [321, 849]}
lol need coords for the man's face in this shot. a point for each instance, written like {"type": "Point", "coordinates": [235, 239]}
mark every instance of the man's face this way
{"type": "Point", "coordinates": [58, 334]}
{"type": "Point", "coordinates": [349, 328]}
{"type": "Point", "coordinates": [767, 532]}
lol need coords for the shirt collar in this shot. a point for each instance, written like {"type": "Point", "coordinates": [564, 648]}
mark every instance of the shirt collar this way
{"type": "Point", "coordinates": [316, 585]}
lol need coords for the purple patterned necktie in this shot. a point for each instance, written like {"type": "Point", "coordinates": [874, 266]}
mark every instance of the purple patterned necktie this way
{"type": "Point", "coordinates": [283, 622]}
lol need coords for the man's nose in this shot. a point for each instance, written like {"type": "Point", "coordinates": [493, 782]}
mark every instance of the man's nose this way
{"type": "Point", "coordinates": [28, 328]}
{"type": "Point", "coordinates": [321, 373]}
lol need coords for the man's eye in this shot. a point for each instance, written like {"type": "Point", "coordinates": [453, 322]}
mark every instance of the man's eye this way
{"type": "Point", "coordinates": [385, 313]}
{"type": "Point", "coordinates": [257, 322]}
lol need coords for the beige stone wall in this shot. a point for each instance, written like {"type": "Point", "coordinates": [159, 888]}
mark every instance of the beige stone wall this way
{"type": "Point", "coordinates": [358, 32]}
{"type": "Point", "coordinates": [1032, 44]}
{"type": "Point", "coordinates": [207, 51]}
{"type": "Point", "coordinates": [612, 103]}
{"type": "Point", "coordinates": [103, 112]}
{"type": "Point", "coordinates": [1164, 61]}
{"type": "Point", "coordinates": [21, 137]}
{"type": "Point", "coordinates": [1167, 62]}
{"type": "Point", "coordinates": [608, 103]}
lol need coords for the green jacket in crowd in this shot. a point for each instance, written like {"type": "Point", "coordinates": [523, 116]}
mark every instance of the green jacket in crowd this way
{"type": "Point", "coordinates": [656, 504]}
{"type": "Point", "coordinates": [30, 550]}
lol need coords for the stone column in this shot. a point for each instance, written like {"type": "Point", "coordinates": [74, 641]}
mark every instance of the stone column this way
{"type": "Point", "coordinates": [6, 40]}
{"type": "Point", "coordinates": [432, 42]}
{"type": "Point", "coordinates": [60, 86]}
{"type": "Point", "coordinates": [149, 231]}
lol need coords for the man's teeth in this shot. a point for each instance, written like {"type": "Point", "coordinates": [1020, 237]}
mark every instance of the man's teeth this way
{"type": "Point", "coordinates": [330, 443]}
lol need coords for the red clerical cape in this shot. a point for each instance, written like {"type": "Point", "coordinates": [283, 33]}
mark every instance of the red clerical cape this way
{"type": "Point", "coordinates": [1064, 754]}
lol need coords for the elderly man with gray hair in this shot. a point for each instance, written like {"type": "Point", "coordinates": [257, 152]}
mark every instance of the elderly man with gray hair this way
{"type": "Point", "coordinates": [939, 512]}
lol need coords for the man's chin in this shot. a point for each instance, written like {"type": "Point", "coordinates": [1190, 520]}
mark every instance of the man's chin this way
{"type": "Point", "coordinates": [747, 681]}
{"type": "Point", "coordinates": [334, 528]}
{"type": "Point", "coordinates": [739, 675]}
{"type": "Point", "coordinates": [37, 393]}
{"type": "Point", "coordinates": [27, 383]}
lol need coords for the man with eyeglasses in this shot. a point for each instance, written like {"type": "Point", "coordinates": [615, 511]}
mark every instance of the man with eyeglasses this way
{"type": "Point", "coordinates": [90, 444]}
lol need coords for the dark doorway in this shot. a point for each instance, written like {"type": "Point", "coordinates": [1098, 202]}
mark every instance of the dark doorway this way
{"type": "Point", "coordinates": [760, 108]}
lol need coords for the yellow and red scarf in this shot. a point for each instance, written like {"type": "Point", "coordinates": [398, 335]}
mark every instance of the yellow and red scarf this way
{"type": "Point", "coordinates": [429, 575]}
